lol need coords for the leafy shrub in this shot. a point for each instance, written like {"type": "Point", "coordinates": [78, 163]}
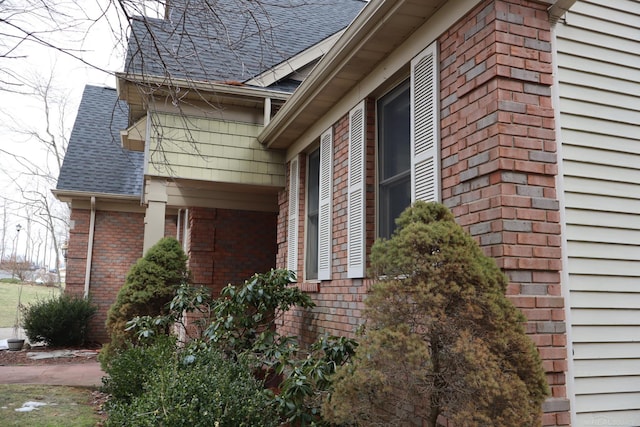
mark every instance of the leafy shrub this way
{"type": "Point", "coordinates": [306, 382]}
{"type": "Point", "coordinates": [131, 369]}
{"type": "Point", "coordinates": [196, 386]}
{"type": "Point", "coordinates": [58, 322]}
{"type": "Point", "coordinates": [442, 339]}
{"type": "Point", "coordinates": [243, 316]}
{"type": "Point", "coordinates": [242, 328]}
{"type": "Point", "coordinates": [150, 284]}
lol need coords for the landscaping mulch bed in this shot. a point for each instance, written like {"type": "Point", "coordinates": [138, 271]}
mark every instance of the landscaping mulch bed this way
{"type": "Point", "coordinates": [9, 358]}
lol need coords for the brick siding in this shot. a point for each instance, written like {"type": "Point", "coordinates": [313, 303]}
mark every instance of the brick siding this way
{"type": "Point", "coordinates": [229, 246]}
{"type": "Point", "coordinates": [499, 163]}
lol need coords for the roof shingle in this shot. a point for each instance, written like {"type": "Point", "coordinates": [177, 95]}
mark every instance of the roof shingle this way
{"type": "Point", "coordinates": [95, 161]}
{"type": "Point", "coordinates": [232, 40]}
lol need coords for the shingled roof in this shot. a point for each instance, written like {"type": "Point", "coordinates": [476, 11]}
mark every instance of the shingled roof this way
{"type": "Point", "coordinates": [232, 40]}
{"type": "Point", "coordinates": [95, 162]}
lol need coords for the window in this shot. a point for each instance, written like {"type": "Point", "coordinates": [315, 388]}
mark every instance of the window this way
{"type": "Point", "coordinates": [394, 157]}
{"type": "Point", "coordinates": [407, 142]}
{"type": "Point", "coordinates": [313, 204]}
{"type": "Point", "coordinates": [318, 212]}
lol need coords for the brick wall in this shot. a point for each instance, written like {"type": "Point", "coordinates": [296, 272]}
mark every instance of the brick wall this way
{"type": "Point", "coordinates": [117, 245]}
{"type": "Point", "coordinates": [339, 302]}
{"type": "Point", "coordinates": [498, 154]}
{"type": "Point", "coordinates": [229, 246]}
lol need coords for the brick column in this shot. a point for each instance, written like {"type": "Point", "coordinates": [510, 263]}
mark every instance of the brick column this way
{"type": "Point", "coordinates": [499, 164]}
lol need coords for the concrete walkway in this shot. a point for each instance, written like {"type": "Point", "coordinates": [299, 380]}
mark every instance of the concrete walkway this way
{"type": "Point", "coordinates": [71, 374]}
{"type": "Point", "coordinates": [80, 374]}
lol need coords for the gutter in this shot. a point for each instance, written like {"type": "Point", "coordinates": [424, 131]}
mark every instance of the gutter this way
{"type": "Point", "coordinates": [92, 226]}
{"type": "Point", "coordinates": [73, 194]}
{"type": "Point", "coordinates": [559, 8]}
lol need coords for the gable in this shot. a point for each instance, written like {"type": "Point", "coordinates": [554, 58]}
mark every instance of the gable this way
{"type": "Point", "coordinates": [235, 41]}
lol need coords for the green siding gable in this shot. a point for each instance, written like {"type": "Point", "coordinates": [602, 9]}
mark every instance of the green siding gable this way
{"type": "Point", "coordinates": [211, 150]}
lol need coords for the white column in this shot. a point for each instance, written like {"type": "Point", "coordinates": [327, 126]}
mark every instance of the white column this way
{"type": "Point", "coordinates": [155, 214]}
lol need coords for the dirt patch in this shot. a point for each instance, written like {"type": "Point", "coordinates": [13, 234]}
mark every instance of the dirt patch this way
{"type": "Point", "coordinates": [12, 358]}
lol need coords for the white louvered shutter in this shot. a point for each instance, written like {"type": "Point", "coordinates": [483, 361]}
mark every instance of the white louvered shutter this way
{"type": "Point", "coordinates": [424, 126]}
{"type": "Point", "coordinates": [292, 223]}
{"type": "Point", "coordinates": [356, 249]}
{"type": "Point", "coordinates": [324, 211]}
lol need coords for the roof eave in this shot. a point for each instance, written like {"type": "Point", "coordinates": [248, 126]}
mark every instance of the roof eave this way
{"type": "Point", "coordinates": [69, 195]}
{"type": "Point", "coordinates": [361, 29]}
{"type": "Point", "coordinates": [278, 133]}
{"type": "Point", "coordinates": [558, 8]}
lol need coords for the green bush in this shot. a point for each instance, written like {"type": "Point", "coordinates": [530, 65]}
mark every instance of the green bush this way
{"type": "Point", "coordinates": [133, 366]}
{"type": "Point", "coordinates": [58, 322]}
{"type": "Point", "coordinates": [195, 387]}
{"type": "Point", "coordinates": [242, 329]}
{"type": "Point", "coordinates": [244, 316]}
{"type": "Point", "coordinates": [150, 284]}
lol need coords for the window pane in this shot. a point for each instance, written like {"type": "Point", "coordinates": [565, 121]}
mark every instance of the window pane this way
{"type": "Point", "coordinates": [313, 202]}
{"type": "Point", "coordinates": [394, 133]}
{"type": "Point", "coordinates": [313, 182]}
{"type": "Point", "coordinates": [312, 247]}
{"type": "Point", "coordinates": [394, 198]}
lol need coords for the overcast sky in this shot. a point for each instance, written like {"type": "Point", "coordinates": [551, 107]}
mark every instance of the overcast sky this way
{"type": "Point", "coordinates": [96, 44]}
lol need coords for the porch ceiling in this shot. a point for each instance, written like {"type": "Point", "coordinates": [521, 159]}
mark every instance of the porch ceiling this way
{"type": "Point", "coordinates": [184, 193]}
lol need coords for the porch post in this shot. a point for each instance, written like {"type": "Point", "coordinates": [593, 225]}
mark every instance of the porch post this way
{"type": "Point", "coordinates": [155, 214]}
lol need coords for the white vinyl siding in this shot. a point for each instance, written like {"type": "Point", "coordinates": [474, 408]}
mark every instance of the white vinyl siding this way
{"type": "Point", "coordinates": [599, 73]}
{"type": "Point", "coordinates": [356, 221]}
{"type": "Point", "coordinates": [292, 223]}
{"type": "Point", "coordinates": [324, 213]}
{"type": "Point", "coordinates": [424, 126]}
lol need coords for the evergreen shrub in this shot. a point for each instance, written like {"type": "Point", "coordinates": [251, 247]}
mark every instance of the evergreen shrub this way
{"type": "Point", "coordinates": [58, 322]}
{"type": "Point", "coordinates": [150, 284]}
{"type": "Point", "coordinates": [442, 339]}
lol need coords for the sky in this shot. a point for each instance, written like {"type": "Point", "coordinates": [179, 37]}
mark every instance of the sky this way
{"type": "Point", "coordinates": [92, 41]}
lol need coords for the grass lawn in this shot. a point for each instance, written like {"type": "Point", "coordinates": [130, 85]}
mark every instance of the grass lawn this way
{"type": "Point", "coordinates": [9, 299]}
{"type": "Point", "coordinates": [65, 406]}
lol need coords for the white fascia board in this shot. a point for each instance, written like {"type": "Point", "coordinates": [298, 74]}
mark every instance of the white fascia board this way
{"type": "Point", "coordinates": [295, 63]}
